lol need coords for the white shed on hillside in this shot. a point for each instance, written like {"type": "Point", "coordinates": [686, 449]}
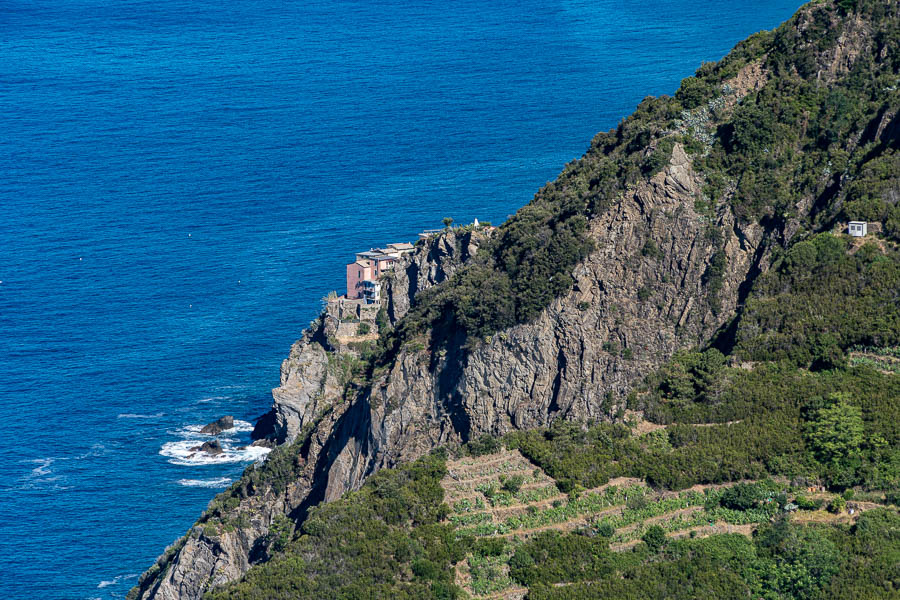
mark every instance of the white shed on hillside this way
{"type": "Point", "coordinates": [858, 228]}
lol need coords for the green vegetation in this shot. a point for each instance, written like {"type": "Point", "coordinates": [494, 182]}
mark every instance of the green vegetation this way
{"type": "Point", "coordinates": [786, 424]}
{"type": "Point", "coordinates": [784, 560]}
{"type": "Point", "coordinates": [385, 541]}
{"type": "Point", "coordinates": [786, 319]}
{"type": "Point", "coordinates": [485, 444]}
{"type": "Point", "coordinates": [651, 250]}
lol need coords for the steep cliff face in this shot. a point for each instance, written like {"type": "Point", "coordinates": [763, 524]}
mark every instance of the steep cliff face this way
{"type": "Point", "coordinates": [307, 384]}
{"type": "Point", "coordinates": [675, 253]}
{"type": "Point", "coordinates": [310, 396]}
{"type": "Point", "coordinates": [630, 310]}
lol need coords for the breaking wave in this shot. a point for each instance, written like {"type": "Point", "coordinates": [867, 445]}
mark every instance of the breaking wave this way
{"type": "Point", "coordinates": [116, 580]}
{"type": "Point", "coordinates": [181, 453]}
{"type": "Point", "coordinates": [219, 482]}
{"type": "Point", "coordinates": [139, 416]}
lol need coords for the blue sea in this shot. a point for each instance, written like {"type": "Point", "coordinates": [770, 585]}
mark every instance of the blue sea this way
{"type": "Point", "coordinates": [181, 182]}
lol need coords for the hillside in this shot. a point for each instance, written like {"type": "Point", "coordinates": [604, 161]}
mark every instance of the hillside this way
{"type": "Point", "coordinates": [680, 310]}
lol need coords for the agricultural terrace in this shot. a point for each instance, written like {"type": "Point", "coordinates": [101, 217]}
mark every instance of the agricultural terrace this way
{"type": "Point", "coordinates": [499, 501]}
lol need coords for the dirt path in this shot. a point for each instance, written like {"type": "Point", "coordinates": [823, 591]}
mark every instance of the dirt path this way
{"type": "Point", "coordinates": [509, 457]}
{"type": "Point", "coordinates": [510, 593]}
{"type": "Point", "coordinates": [479, 478]}
{"type": "Point", "coordinates": [504, 512]}
{"type": "Point", "coordinates": [564, 526]}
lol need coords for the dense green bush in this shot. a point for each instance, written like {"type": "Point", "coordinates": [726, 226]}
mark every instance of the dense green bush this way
{"type": "Point", "coordinates": [484, 444]}
{"type": "Point", "coordinates": [655, 538]}
{"type": "Point", "coordinates": [742, 496]}
{"type": "Point", "coordinates": [784, 421]}
{"type": "Point", "coordinates": [786, 319]}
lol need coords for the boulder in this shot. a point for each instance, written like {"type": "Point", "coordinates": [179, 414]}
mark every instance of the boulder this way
{"type": "Point", "coordinates": [217, 427]}
{"type": "Point", "coordinates": [213, 448]}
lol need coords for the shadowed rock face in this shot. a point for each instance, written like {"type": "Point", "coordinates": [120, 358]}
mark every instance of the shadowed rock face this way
{"type": "Point", "coordinates": [628, 311]}
{"type": "Point", "coordinates": [580, 357]}
{"type": "Point", "coordinates": [433, 262]}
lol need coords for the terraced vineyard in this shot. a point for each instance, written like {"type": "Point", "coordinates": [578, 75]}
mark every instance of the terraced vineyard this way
{"type": "Point", "coordinates": [498, 501]}
{"type": "Point", "coordinates": [886, 360]}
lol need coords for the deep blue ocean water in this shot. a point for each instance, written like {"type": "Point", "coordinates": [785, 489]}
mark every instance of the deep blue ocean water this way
{"type": "Point", "coordinates": [182, 181]}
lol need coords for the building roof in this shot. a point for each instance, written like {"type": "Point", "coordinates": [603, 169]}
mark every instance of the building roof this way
{"type": "Point", "coordinates": [402, 246]}
{"type": "Point", "coordinates": [392, 252]}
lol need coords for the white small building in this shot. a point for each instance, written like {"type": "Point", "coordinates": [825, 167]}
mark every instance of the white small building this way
{"type": "Point", "coordinates": [858, 228]}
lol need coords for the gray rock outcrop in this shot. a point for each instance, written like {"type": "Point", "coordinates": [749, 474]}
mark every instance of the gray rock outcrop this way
{"type": "Point", "coordinates": [218, 426]}
{"type": "Point", "coordinates": [213, 448]}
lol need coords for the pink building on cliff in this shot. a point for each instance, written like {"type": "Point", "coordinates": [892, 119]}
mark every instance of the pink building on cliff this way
{"type": "Point", "coordinates": [364, 272]}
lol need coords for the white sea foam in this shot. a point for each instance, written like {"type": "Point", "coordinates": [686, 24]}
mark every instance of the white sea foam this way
{"type": "Point", "coordinates": [42, 476]}
{"type": "Point", "coordinates": [187, 431]}
{"type": "Point", "coordinates": [242, 425]}
{"type": "Point", "coordinates": [43, 467]}
{"type": "Point", "coordinates": [192, 431]}
{"type": "Point", "coordinates": [116, 580]}
{"type": "Point", "coordinates": [212, 399]}
{"type": "Point", "coordinates": [140, 416]}
{"type": "Point", "coordinates": [180, 453]}
{"type": "Point", "coordinates": [219, 482]}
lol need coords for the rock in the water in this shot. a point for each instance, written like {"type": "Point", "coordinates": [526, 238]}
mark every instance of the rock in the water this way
{"type": "Point", "coordinates": [264, 443]}
{"type": "Point", "coordinates": [213, 448]}
{"type": "Point", "coordinates": [217, 427]}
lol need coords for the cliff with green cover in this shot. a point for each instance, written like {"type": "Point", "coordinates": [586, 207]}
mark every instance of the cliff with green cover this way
{"type": "Point", "coordinates": [681, 307]}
